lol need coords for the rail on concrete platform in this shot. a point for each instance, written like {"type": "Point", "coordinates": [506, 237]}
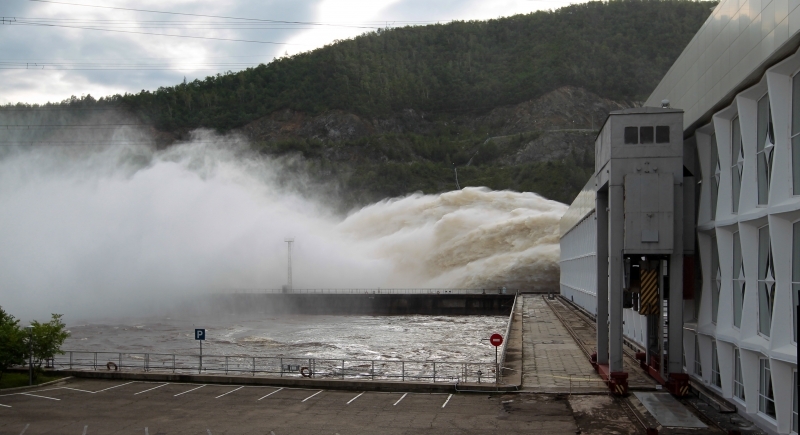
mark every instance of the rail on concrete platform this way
{"type": "Point", "coordinates": [507, 334]}
{"type": "Point", "coordinates": [317, 368]}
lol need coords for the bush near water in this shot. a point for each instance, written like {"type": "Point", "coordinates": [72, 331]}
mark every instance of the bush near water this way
{"type": "Point", "coordinates": [16, 346]}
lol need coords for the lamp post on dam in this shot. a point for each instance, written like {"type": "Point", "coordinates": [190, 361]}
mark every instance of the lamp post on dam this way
{"type": "Point", "coordinates": [289, 241]}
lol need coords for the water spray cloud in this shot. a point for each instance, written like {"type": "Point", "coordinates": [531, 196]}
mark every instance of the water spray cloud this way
{"type": "Point", "coordinates": [100, 231]}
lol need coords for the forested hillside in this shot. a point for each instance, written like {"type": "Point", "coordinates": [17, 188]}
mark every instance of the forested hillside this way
{"type": "Point", "coordinates": [391, 112]}
{"type": "Point", "coordinates": [618, 49]}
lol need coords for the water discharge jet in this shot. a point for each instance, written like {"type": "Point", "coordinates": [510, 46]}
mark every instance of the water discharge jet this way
{"type": "Point", "coordinates": [108, 230]}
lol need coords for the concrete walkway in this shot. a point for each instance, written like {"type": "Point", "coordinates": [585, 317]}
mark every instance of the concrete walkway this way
{"type": "Point", "coordinates": [552, 361]}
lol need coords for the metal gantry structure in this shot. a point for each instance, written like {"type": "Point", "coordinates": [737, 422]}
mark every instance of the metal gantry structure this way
{"type": "Point", "coordinates": [636, 225]}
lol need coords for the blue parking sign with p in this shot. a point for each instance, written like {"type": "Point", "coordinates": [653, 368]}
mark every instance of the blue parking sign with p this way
{"type": "Point", "coordinates": [199, 334]}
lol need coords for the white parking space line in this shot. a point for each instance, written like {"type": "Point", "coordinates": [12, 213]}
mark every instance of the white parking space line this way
{"type": "Point", "coordinates": [189, 391]}
{"type": "Point", "coordinates": [209, 431]}
{"type": "Point", "coordinates": [24, 429]}
{"type": "Point", "coordinates": [151, 389]}
{"type": "Point", "coordinates": [34, 391]}
{"type": "Point", "coordinates": [5, 406]}
{"type": "Point", "coordinates": [229, 392]}
{"type": "Point", "coordinates": [279, 389]}
{"type": "Point", "coordinates": [312, 395]}
{"type": "Point", "coordinates": [354, 398]}
{"type": "Point", "coordinates": [146, 432]}
{"type": "Point", "coordinates": [115, 386]}
{"type": "Point", "coordinates": [401, 398]}
{"type": "Point", "coordinates": [43, 397]}
{"type": "Point", "coordinates": [448, 399]}
{"type": "Point", "coordinates": [75, 389]}
{"type": "Point", "coordinates": [85, 428]}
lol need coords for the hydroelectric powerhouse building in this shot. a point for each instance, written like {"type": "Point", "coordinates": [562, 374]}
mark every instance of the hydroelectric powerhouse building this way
{"type": "Point", "coordinates": [692, 219]}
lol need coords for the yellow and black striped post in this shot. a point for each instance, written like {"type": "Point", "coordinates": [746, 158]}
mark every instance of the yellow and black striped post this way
{"type": "Point", "coordinates": [649, 294]}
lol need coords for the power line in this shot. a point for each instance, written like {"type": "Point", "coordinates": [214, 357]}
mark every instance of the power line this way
{"type": "Point", "coordinates": [63, 66]}
{"type": "Point", "coordinates": [110, 69]}
{"type": "Point", "coordinates": [140, 58]}
{"type": "Point", "coordinates": [100, 142]}
{"type": "Point", "coordinates": [156, 25]}
{"type": "Point", "coordinates": [17, 109]}
{"type": "Point", "coordinates": [154, 34]}
{"type": "Point", "coordinates": [232, 21]}
{"type": "Point", "coordinates": [69, 125]}
{"type": "Point", "coordinates": [191, 15]}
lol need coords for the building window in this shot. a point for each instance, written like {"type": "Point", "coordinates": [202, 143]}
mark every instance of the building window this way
{"type": "Point", "coordinates": [646, 135]}
{"type": "Point", "coordinates": [662, 134]}
{"type": "Point", "coordinates": [631, 135]}
{"type": "Point", "coordinates": [738, 382]}
{"type": "Point", "coordinates": [737, 163]}
{"type": "Point", "coordinates": [766, 281]}
{"type": "Point", "coordinates": [765, 145]}
{"type": "Point", "coordinates": [716, 285]}
{"type": "Point", "coordinates": [716, 171]}
{"type": "Point", "coordinates": [716, 380]}
{"type": "Point", "coordinates": [766, 397]}
{"type": "Point", "coordinates": [795, 272]}
{"type": "Point", "coordinates": [698, 368]}
{"type": "Point", "coordinates": [794, 403]}
{"type": "Point", "coordinates": [738, 281]}
{"type": "Point", "coordinates": [796, 133]}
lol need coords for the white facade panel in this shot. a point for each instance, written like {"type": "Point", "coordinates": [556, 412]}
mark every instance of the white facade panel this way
{"type": "Point", "coordinates": [579, 264]}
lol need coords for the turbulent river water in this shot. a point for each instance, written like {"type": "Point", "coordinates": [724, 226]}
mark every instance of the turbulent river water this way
{"type": "Point", "coordinates": [420, 338]}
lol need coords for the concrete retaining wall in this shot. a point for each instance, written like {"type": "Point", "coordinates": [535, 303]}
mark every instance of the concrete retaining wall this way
{"type": "Point", "coordinates": [369, 304]}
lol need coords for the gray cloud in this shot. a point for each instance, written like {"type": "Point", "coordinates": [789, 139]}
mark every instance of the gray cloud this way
{"type": "Point", "coordinates": [176, 56]}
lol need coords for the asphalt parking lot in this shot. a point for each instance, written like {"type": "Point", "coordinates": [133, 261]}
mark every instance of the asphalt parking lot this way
{"type": "Point", "coordinates": [84, 407]}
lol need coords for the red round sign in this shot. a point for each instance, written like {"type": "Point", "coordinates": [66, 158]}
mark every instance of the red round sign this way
{"type": "Point", "coordinates": [496, 340]}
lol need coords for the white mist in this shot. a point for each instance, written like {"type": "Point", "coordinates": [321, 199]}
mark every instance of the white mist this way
{"type": "Point", "coordinates": [96, 231]}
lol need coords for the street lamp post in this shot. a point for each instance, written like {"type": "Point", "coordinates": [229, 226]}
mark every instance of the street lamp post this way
{"type": "Point", "coordinates": [30, 354]}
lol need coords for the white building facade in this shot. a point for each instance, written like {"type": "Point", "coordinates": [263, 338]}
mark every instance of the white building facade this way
{"type": "Point", "coordinates": [741, 329]}
{"type": "Point", "coordinates": [738, 82]}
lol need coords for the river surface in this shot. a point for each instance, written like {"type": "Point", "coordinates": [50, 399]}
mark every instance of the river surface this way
{"type": "Point", "coordinates": [414, 337]}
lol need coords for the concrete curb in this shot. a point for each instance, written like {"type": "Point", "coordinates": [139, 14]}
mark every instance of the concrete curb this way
{"type": "Point", "coordinates": [28, 387]}
{"type": "Point", "coordinates": [332, 384]}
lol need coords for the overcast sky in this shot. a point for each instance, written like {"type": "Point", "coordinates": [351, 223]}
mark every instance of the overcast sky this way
{"type": "Point", "coordinates": [52, 50]}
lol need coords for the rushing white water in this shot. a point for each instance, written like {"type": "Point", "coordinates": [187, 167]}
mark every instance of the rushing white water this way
{"type": "Point", "coordinates": [442, 338]}
{"type": "Point", "coordinates": [119, 230]}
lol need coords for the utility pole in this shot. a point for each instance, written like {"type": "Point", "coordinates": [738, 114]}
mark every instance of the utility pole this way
{"type": "Point", "coordinates": [30, 354]}
{"type": "Point", "coordinates": [289, 241]}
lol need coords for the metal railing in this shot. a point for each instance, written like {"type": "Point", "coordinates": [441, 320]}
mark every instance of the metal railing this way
{"type": "Point", "coordinates": [326, 368]}
{"type": "Point", "coordinates": [506, 337]}
{"type": "Point", "coordinates": [404, 291]}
